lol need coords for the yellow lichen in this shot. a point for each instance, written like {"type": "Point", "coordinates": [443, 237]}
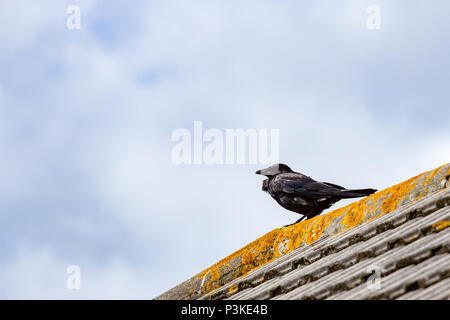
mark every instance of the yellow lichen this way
{"type": "Point", "coordinates": [441, 225]}
{"type": "Point", "coordinates": [354, 214]}
{"type": "Point", "coordinates": [233, 289]}
{"type": "Point", "coordinates": [318, 226]}
{"type": "Point", "coordinates": [431, 175]}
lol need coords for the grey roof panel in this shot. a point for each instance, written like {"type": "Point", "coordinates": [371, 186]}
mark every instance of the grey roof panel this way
{"type": "Point", "coordinates": [417, 250]}
{"type": "Point", "coordinates": [356, 274]}
{"type": "Point", "coordinates": [438, 291]}
{"type": "Point", "coordinates": [396, 284]}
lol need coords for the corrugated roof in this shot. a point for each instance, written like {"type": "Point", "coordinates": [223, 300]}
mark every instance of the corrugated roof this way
{"type": "Point", "coordinates": [399, 234]}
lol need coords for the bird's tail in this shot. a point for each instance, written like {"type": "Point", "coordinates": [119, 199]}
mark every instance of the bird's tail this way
{"type": "Point", "coordinates": [356, 193]}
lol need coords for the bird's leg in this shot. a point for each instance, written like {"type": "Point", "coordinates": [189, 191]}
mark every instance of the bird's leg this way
{"type": "Point", "coordinates": [299, 220]}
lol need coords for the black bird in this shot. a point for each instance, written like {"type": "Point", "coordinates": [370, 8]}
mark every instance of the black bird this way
{"type": "Point", "coordinates": [299, 193]}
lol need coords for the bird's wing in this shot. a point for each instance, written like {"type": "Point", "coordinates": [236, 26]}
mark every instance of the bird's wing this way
{"type": "Point", "coordinates": [310, 188]}
{"type": "Point", "coordinates": [334, 185]}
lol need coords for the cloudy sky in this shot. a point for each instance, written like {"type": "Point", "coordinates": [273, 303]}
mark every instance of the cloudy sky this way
{"type": "Point", "coordinates": [86, 118]}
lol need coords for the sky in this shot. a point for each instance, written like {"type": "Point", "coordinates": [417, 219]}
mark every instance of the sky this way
{"type": "Point", "coordinates": [87, 115]}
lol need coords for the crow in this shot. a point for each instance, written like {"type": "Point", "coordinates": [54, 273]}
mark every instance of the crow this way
{"type": "Point", "coordinates": [301, 194]}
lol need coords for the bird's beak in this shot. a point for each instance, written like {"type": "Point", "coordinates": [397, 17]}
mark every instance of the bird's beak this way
{"type": "Point", "coordinates": [258, 172]}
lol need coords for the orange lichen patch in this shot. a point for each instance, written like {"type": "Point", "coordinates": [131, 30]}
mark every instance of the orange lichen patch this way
{"type": "Point", "coordinates": [252, 255]}
{"type": "Point", "coordinates": [233, 289]}
{"type": "Point", "coordinates": [354, 214]}
{"type": "Point", "coordinates": [431, 175]}
{"type": "Point", "coordinates": [318, 226]}
{"type": "Point", "coordinates": [295, 235]}
{"type": "Point", "coordinates": [441, 225]}
{"type": "Point", "coordinates": [428, 176]}
{"type": "Point", "coordinates": [259, 252]}
{"type": "Point", "coordinates": [397, 193]}
{"type": "Point", "coordinates": [266, 248]}
{"type": "Point", "coordinates": [380, 203]}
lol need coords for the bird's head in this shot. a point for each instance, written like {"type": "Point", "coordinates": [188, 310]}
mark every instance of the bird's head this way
{"type": "Point", "coordinates": [274, 170]}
